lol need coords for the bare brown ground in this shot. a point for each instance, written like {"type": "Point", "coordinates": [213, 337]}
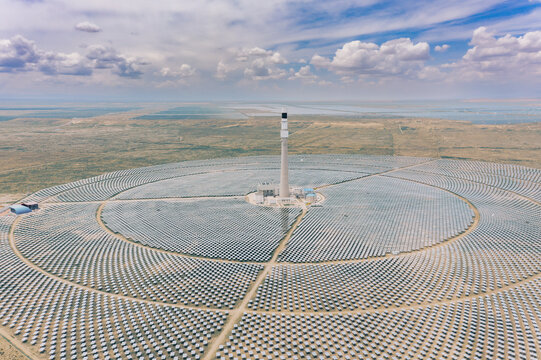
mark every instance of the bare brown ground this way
{"type": "Point", "coordinates": [38, 153]}
{"type": "Point", "coordinates": [9, 352]}
{"type": "Point", "coordinates": [8, 199]}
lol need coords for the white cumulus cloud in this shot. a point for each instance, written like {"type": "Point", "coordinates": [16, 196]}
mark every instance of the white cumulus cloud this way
{"type": "Point", "coordinates": [106, 57]}
{"type": "Point", "coordinates": [87, 27]}
{"type": "Point", "coordinates": [305, 74]}
{"type": "Point", "coordinates": [222, 69]}
{"type": "Point", "coordinates": [395, 57]}
{"type": "Point", "coordinates": [19, 54]}
{"type": "Point", "coordinates": [182, 72]}
{"type": "Point", "coordinates": [502, 57]}
{"type": "Point", "coordinates": [64, 64]}
{"type": "Point", "coordinates": [180, 75]}
{"type": "Point", "coordinates": [255, 63]}
{"type": "Point", "coordinates": [442, 48]}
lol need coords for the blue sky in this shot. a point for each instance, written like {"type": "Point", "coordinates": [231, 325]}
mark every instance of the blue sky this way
{"type": "Point", "coordinates": [276, 49]}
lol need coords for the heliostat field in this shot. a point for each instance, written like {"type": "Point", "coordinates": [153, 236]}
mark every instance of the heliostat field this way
{"type": "Point", "coordinates": [405, 258]}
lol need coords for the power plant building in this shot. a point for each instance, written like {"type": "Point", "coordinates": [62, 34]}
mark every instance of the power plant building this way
{"type": "Point", "coordinates": [19, 209]}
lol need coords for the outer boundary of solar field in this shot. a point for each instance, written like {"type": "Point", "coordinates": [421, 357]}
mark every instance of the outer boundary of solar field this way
{"type": "Point", "coordinates": [235, 314]}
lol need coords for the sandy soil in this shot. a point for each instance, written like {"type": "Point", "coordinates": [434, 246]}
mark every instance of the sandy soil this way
{"type": "Point", "coordinates": [9, 352]}
{"type": "Point", "coordinates": [8, 199]}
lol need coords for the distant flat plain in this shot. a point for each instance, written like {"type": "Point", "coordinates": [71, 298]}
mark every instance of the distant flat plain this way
{"type": "Point", "coordinates": [44, 146]}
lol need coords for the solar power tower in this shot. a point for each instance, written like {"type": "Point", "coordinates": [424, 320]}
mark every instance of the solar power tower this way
{"type": "Point", "coordinates": [284, 176]}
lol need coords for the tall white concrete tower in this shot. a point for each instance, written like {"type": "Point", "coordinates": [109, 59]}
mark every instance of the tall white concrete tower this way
{"type": "Point", "coordinates": [284, 173]}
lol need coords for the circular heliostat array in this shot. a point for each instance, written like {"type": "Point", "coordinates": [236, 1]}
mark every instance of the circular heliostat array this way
{"type": "Point", "coordinates": [405, 258]}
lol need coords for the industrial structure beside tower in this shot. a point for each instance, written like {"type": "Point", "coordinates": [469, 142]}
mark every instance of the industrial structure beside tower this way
{"type": "Point", "coordinates": [269, 194]}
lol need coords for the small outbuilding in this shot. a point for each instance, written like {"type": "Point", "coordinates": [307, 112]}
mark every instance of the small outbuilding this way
{"type": "Point", "coordinates": [19, 209]}
{"type": "Point", "coordinates": [308, 193]}
{"type": "Point", "coordinates": [31, 205]}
